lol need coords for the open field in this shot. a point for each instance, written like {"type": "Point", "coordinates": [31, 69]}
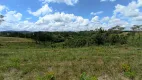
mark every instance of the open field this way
{"type": "Point", "coordinates": [27, 61]}
{"type": "Point", "coordinates": [70, 39]}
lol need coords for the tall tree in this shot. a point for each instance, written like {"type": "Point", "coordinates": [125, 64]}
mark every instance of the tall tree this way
{"type": "Point", "coordinates": [134, 29]}
{"type": "Point", "coordinates": [138, 29]}
{"type": "Point", "coordinates": [117, 29]}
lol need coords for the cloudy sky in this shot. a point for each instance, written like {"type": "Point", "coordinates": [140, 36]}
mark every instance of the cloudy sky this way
{"type": "Point", "coordinates": [69, 15]}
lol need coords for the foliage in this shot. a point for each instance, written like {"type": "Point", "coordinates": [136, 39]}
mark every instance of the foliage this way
{"type": "Point", "coordinates": [130, 74]}
{"type": "Point", "coordinates": [48, 76]}
{"type": "Point", "coordinates": [126, 67]}
{"type": "Point", "coordinates": [128, 71]}
{"type": "Point", "coordinates": [85, 77]}
{"type": "Point", "coordinates": [29, 61]}
{"type": "Point", "coordinates": [75, 43]}
{"type": "Point", "coordinates": [113, 36]}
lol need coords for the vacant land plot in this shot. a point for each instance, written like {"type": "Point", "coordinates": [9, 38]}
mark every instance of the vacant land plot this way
{"type": "Point", "coordinates": [28, 61]}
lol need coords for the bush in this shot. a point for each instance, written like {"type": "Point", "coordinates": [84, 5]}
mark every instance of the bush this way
{"type": "Point", "coordinates": [90, 42]}
{"type": "Point", "coordinates": [125, 67]}
{"type": "Point", "coordinates": [85, 77]}
{"type": "Point", "coordinates": [130, 74]}
{"type": "Point", "coordinates": [116, 38]}
{"type": "Point", "coordinates": [113, 38]}
{"type": "Point", "coordinates": [48, 76]}
{"type": "Point", "coordinates": [123, 39]}
{"type": "Point", "coordinates": [75, 43]}
{"type": "Point", "coordinates": [128, 71]}
{"type": "Point", "coordinates": [99, 38]}
{"type": "Point", "coordinates": [58, 39]}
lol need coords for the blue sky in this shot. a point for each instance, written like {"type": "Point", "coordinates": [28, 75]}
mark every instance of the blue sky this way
{"type": "Point", "coordinates": [69, 15]}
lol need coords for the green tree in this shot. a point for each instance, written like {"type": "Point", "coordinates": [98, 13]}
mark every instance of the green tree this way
{"type": "Point", "coordinates": [116, 29]}
{"type": "Point", "coordinates": [99, 37]}
{"type": "Point", "coordinates": [137, 28]}
{"type": "Point", "coordinates": [134, 31]}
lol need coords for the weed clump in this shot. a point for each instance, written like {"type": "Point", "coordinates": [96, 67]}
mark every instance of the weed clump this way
{"type": "Point", "coordinates": [48, 76]}
{"type": "Point", "coordinates": [128, 72]}
{"type": "Point", "coordinates": [85, 77]}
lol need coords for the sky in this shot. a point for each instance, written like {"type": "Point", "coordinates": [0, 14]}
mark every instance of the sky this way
{"type": "Point", "coordinates": [69, 15]}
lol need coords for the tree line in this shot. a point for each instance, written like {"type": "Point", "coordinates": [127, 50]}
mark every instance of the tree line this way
{"type": "Point", "coordinates": [112, 36]}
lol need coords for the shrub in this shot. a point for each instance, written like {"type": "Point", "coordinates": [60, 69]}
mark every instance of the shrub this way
{"type": "Point", "coordinates": [90, 42]}
{"type": "Point", "coordinates": [123, 39]}
{"type": "Point", "coordinates": [126, 67]}
{"type": "Point", "coordinates": [130, 74]}
{"type": "Point", "coordinates": [99, 38]}
{"type": "Point", "coordinates": [75, 43]}
{"type": "Point", "coordinates": [113, 38]}
{"type": "Point", "coordinates": [116, 38]}
{"type": "Point", "coordinates": [48, 76]}
{"type": "Point", "coordinates": [85, 77]}
{"type": "Point", "coordinates": [58, 39]}
{"type": "Point", "coordinates": [128, 71]}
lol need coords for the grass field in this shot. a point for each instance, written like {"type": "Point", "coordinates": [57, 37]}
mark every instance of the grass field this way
{"type": "Point", "coordinates": [22, 59]}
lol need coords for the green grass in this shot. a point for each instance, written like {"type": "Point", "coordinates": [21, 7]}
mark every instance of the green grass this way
{"type": "Point", "coordinates": [27, 61]}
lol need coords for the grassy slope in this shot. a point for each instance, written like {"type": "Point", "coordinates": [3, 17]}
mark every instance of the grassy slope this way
{"type": "Point", "coordinates": [28, 61]}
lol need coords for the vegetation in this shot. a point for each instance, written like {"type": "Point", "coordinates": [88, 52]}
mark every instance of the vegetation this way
{"type": "Point", "coordinates": [111, 54]}
{"type": "Point", "coordinates": [29, 61]}
{"type": "Point", "coordinates": [113, 36]}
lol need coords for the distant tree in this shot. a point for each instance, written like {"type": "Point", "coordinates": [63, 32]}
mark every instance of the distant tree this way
{"type": "Point", "coordinates": [42, 37]}
{"type": "Point", "coordinates": [99, 37]}
{"type": "Point", "coordinates": [1, 18]}
{"type": "Point", "coordinates": [137, 28]}
{"type": "Point", "coordinates": [134, 31]}
{"type": "Point", "coordinates": [77, 42]}
{"type": "Point", "coordinates": [121, 28]}
{"type": "Point", "coordinates": [117, 29]}
{"type": "Point", "coordinates": [114, 35]}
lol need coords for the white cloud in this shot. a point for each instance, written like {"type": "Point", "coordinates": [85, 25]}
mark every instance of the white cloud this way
{"type": "Point", "coordinates": [104, 19]}
{"type": "Point", "coordinates": [139, 3]}
{"type": "Point", "coordinates": [68, 2]}
{"type": "Point", "coordinates": [2, 7]}
{"type": "Point", "coordinates": [125, 16]}
{"type": "Point", "coordinates": [59, 22]}
{"type": "Point", "coordinates": [12, 19]}
{"type": "Point", "coordinates": [62, 22]}
{"type": "Point", "coordinates": [108, 22]}
{"type": "Point", "coordinates": [139, 18]}
{"type": "Point", "coordinates": [94, 19]}
{"type": "Point", "coordinates": [56, 17]}
{"type": "Point", "coordinates": [129, 11]}
{"type": "Point", "coordinates": [70, 22]}
{"type": "Point", "coordinates": [12, 16]}
{"type": "Point", "coordinates": [45, 9]}
{"type": "Point", "coordinates": [115, 21]}
{"type": "Point", "coordinates": [96, 13]}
